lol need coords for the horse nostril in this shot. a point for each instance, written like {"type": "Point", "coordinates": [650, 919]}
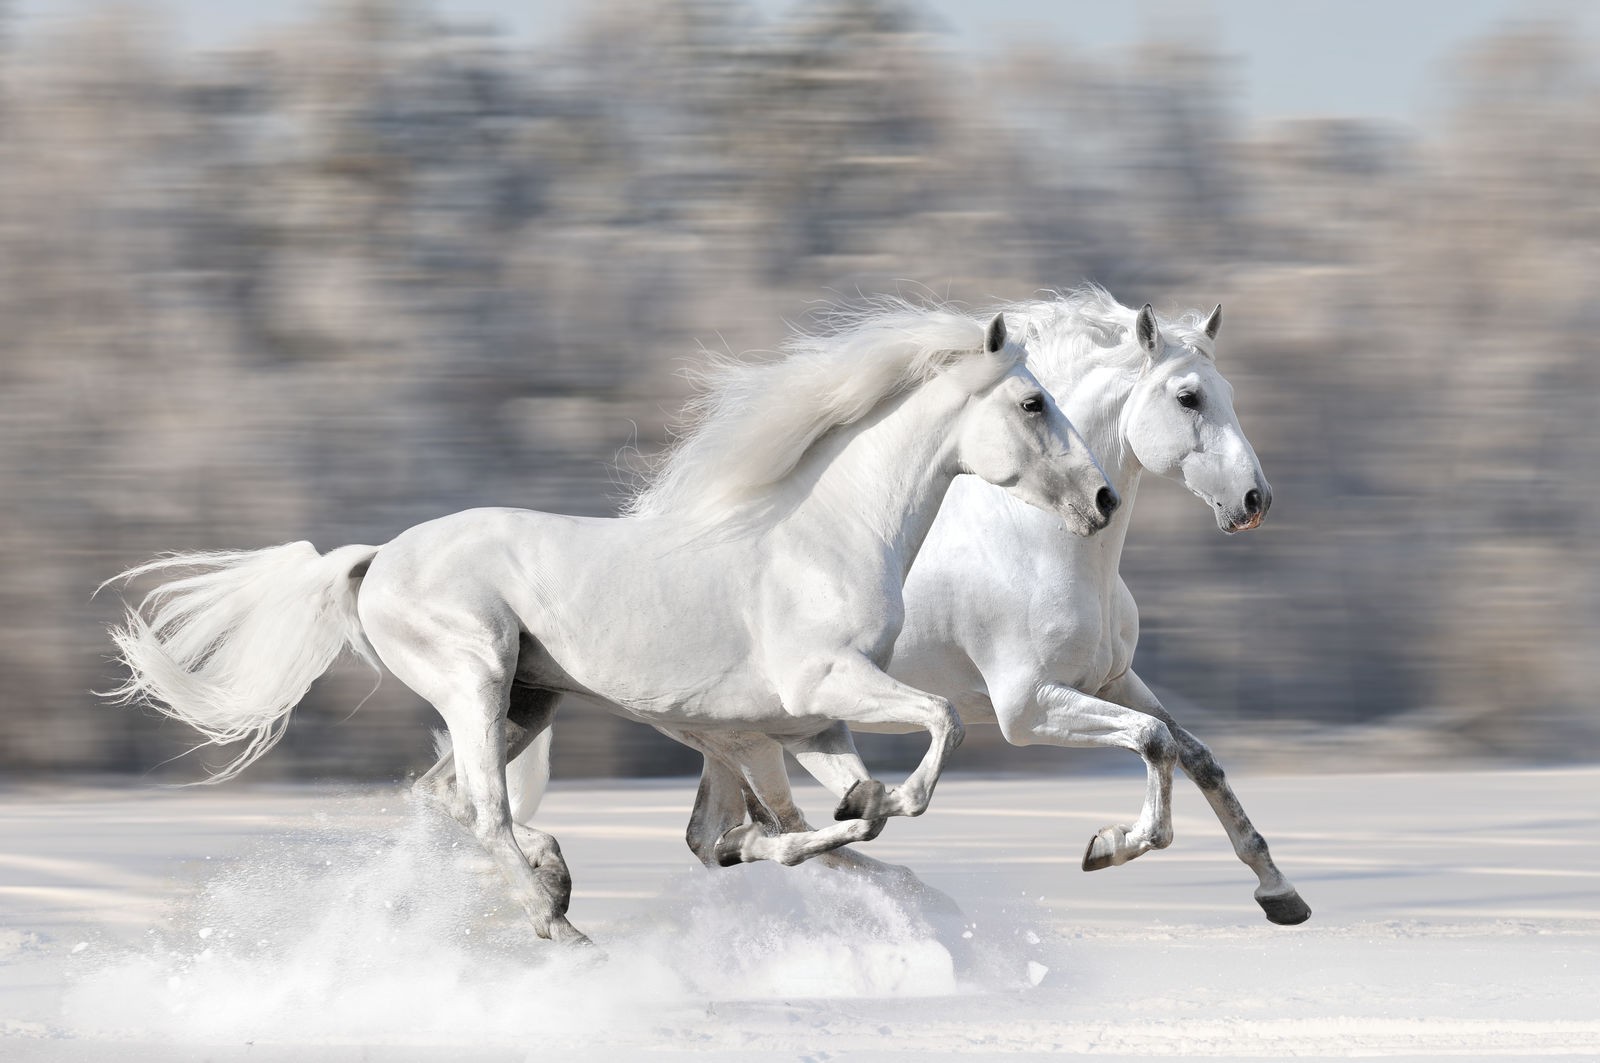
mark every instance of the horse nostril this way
{"type": "Point", "coordinates": [1107, 500]}
{"type": "Point", "coordinates": [1252, 502]}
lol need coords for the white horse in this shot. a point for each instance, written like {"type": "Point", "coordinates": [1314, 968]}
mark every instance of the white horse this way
{"type": "Point", "coordinates": [1024, 627]}
{"type": "Point", "coordinates": [755, 585]}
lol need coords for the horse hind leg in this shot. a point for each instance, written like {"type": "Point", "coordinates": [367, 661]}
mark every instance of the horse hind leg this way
{"type": "Point", "coordinates": [474, 697]}
{"type": "Point", "coordinates": [538, 876]}
{"type": "Point", "coordinates": [458, 648]}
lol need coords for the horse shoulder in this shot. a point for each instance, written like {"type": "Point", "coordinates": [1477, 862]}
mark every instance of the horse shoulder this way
{"type": "Point", "coordinates": [1075, 622]}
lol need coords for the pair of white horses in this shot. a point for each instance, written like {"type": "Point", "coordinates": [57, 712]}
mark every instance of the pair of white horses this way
{"type": "Point", "coordinates": [759, 593]}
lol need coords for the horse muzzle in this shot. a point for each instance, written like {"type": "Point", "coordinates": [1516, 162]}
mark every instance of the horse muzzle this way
{"type": "Point", "coordinates": [1250, 515]}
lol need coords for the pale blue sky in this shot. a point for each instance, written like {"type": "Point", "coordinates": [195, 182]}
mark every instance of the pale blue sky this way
{"type": "Point", "coordinates": [1374, 58]}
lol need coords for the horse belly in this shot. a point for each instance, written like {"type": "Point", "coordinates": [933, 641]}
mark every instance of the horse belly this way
{"type": "Point", "coordinates": [658, 670]}
{"type": "Point", "coordinates": [610, 610]}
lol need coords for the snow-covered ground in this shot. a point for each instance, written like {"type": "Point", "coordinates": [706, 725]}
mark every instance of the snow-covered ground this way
{"type": "Point", "coordinates": [1456, 916]}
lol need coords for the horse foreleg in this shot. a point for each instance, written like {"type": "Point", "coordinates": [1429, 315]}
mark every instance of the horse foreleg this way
{"type": "Point", "coordinates": [1063, 716]}
{"type": "Point", "coordinates": [1276, 894]}
{"type": "Point", "coordinates": [851, 689]}
{"type": "Point", "coordinates": [744, 774]}
{"type": "Point", "coordinates": [768, 781]}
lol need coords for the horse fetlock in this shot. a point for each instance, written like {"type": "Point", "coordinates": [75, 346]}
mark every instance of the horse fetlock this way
{"type": "Point", "coordinates": [731, 848]}
{"type": "Point", "coordinates": [554, 879]}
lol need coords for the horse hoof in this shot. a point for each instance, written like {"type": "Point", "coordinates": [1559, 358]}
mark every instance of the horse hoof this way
{"type": "Point", "coordinates": [1098, 856]}
{"type": "Point", "coordinates": [1285, 909]}
{"type": "Point", "coordinates": [729, 849]}
{"type": "Point", "coordinates": [1104, 849]}
{"type": "Point", "coordinates": [565, 934]}
{"type": "Point", "coordinates": [864, 800]}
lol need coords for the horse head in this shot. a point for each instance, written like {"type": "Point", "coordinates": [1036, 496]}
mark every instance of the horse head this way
{"type": "Point", "coordinates": [1015, 436]}
{"type": "Point", "coordinates": [1180, 423]}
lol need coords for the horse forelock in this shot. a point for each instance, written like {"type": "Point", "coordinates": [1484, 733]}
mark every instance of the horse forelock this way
{"type": "Point", "coordinates": [752, 422]}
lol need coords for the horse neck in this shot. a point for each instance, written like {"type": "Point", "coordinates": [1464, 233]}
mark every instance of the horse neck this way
{"type": "Point", "coordinates": [874, 487]}
{"type": "Point", "coordinates": [1095, 399]}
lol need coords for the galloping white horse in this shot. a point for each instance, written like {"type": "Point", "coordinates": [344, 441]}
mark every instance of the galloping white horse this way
{"type": "Point", "coordinates": [1023, 626]}
{"type": "Point", "coordinates": [755, 585]}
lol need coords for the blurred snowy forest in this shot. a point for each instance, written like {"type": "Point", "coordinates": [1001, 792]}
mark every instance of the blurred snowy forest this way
{"type": "Point", "coordinates": [376, 268]}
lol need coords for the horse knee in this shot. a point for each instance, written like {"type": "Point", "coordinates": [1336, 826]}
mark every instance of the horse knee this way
{"type": "Point", "coordinates": [1156, 743]}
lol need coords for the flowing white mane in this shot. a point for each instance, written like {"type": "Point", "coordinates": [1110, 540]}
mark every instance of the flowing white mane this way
{"type": "Point", "coordinates": [753, 421]}
{"type": "Point", "coordinates": [1087, 325]}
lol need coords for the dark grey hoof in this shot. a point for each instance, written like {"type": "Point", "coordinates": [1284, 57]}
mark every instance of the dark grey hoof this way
{"type": "Point", "coordinates": [864, 800]}
{"type": "Point", "coordinates": [1285, 909]}
{"type": "Point", "coordinates": [1097, 857]}
{"type": "Point", "coordinates": [729, 850]}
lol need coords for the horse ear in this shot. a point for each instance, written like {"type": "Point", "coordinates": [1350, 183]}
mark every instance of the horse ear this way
{"type": "Point", "coordinates": [996, 337]}
{"type": "Point", "coordinates": [1145, 328]}
{"type": "Point", "coordinates": [1214, 322]}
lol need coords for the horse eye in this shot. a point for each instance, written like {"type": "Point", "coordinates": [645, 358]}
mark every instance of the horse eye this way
{"type": "Point", "coordinates": [1033, 404]}
{"type": "Point", "coordinates": [1188, 399]}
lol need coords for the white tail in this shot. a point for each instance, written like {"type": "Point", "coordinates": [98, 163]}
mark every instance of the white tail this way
{"type": "Point", "coordinates": [231, 649]}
